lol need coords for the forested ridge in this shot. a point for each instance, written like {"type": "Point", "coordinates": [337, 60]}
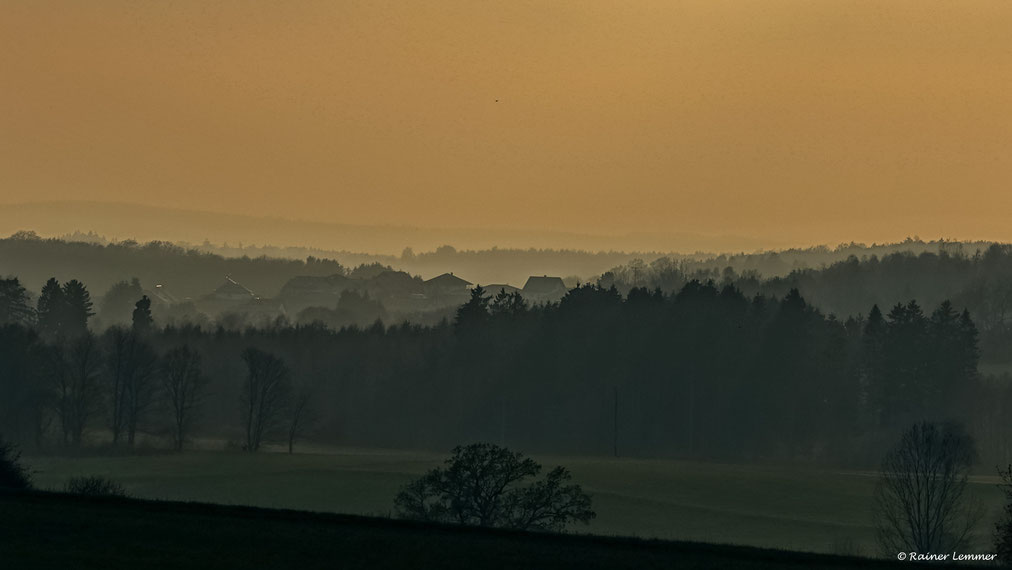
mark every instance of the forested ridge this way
{"type": "Point", "coordinates": [977, 279]}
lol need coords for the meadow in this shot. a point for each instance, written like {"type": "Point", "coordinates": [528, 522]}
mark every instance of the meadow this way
{"type": "Point", "coordinates": [48, 530]}
{"type": "Point", "coordinates": [770, 506]}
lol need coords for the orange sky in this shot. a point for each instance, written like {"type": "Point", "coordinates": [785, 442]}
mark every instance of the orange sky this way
{"type": "Point", "coordinates": [815, 121]}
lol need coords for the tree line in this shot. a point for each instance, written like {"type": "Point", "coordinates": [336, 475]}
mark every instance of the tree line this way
{"type": "Point", "coordinates": [706, 372]}
{"type": "Point", "coordinates": [59, 379]}
{"type": "Point", "coordinates": [975, 276]}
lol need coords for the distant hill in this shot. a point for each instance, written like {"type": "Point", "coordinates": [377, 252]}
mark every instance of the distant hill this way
{"type": "Point", "coordinates": [145, 223]}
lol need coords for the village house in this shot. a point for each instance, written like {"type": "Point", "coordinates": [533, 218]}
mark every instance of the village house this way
{"type": "Point", "coordinates": [544, 289]}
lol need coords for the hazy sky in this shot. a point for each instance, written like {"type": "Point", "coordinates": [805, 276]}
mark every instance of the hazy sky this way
{"type": "Point", "coordinates": [810, 121]}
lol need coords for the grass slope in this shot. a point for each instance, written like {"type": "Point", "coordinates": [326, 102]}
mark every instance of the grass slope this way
{"type": "Point", "coordinates": [766, 506]}
{"type": "Point", "coordinates": [48, 530]}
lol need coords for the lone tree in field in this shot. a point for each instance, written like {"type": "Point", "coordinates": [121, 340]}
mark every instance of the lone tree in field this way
{"type": "Point", "coordinates": [183, 387]}
{"type": "Point", "coordinates": [483, 485]}
{"type": "Point", "coordinates": [920, 500]}
{"type": "Point", "coordinates": [1003, 528]}
{"type": "Point", "coordinates": [265, 394]}
{"type": "Point", "coordinates": [12, 474]}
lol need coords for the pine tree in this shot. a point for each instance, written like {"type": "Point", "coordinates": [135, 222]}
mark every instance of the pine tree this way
{"type": "Point", "coordinates": [50, 310]}
{"type": "Point", "coordinates": [475, 311]}
{"type": "Point", "coordinates": [14, 307]}
{"type": "Point", "coordinates": [142, 319]}
{"type": "Point", "coordinates": [77, 307]}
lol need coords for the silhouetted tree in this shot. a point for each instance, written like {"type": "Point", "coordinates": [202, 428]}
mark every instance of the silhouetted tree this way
{"type": "Point", "coordinates": [474, 312]}
{"type": "Point", "coordinates": [77, 307]}
{"type": "Point", "coordinates": [1003, 528]}
{"type": "Point", "coordinates": [78, 389]}
{"type": "Point", "coordinates": [118, 302]}
{"type": "Point", "coordinates": [183, 385]}
{"type": "Point", "coordinates": [300, 411]}
{"type": "Point", "coordinates": [94, 486]}
{"type": "Point", "coordinates": [13, 475]}
{"type": "Point", "coordinates": [14, 303]}
{"type": "Point", "coordinates": [51, 310]}
{"type": "Point", "coordinates": [142, 319]}
{"type": "Point", "coordinates": [482, 485]}
{"type": "Point", "coordinates": [141, 386]}
{"type": "Point", "coordinates": [508, 304]}
{"type": "Point", "coordinates": [920, 499]}
{"type": "Point", "coordinates": [265, 394]}
{"type": "Point", "coordinates": [23, 393]}
{"type": "Point", "coordinates": [119, 345]}
{"type": "Point", "coordinates": [130, 368]}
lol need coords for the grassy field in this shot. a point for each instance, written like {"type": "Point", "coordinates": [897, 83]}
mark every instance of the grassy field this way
{"type": "Point", "coordinates": [40, 530]}
{"type": "Point", "coordinates": [775, 507]}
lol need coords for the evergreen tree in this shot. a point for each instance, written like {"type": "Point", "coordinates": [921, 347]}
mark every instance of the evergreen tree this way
{"type": "Point", "coordinates": [474, 312]}
{"type": "Point", "coordinates": [142, 319]}
{"type": "Point", "coordinates": [507, 304]}
{"type": "Point", "coordinates": [51, 310]}
{"type": "Point", "coordinates": [873, 370]}
{"type": "Point", "coordinates": [118, 302]}
{"type": "Point", "coordinates": [14, 303]}
{"type": "Point", "coordinates": [77, 307]}
{"type": "Point", "coordinates": [906, 358]}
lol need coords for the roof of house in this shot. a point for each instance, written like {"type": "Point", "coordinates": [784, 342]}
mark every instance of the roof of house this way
{"type": "Point", "coordinates": [232, 287]}
{"type": "Point", "coordinates": [495, 288]}
{"type": "Point", "coordinates": [162, 295]}
{"type": "Point", "coordinates": [543, 284]}
{"type": "Point", "coordinates": [448, 280]}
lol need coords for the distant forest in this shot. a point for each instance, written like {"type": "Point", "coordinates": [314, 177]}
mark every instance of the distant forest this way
{"type": "Point", "coordinates": [512, 266]}
{"type": "Point", "coordinates": [843, 281]}
{"type": "Point", "coordinates": [979, 280]}
{"type": "Point", "coordinates": [663, 359]}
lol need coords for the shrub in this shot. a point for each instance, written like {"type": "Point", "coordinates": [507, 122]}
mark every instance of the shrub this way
{"type": "Point", "coordinates": [484, 485]}
{"type": "Point", "coordinates": [13, 475]}
{"type": "Point", "coordinates": [95, 487]}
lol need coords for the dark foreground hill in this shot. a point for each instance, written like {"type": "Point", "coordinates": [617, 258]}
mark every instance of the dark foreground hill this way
{"type": "Point", "coordinates": [46, 530]}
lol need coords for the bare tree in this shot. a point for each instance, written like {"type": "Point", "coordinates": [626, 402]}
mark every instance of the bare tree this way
{"type": "Point", "coordinates": [77, 383]}
{"type": "Point", "coordinates": [920, 500]}
{"type": "Point", "coordinates": [265, 394]}
{"type": "Point", "coordinates": [482, 485]}
{"type": "Point", "coordinates": [300, 411]}
{"type": "Point", "coordinates": [117, 367]}
{"type": "Point", "coordinates": [130, 367]}
{"type": "Point", "coordinates": [142, 386]}
{"type": "Point", "coordinates": [183, 385]}
{"type": "Point", "coordinates": [1003, 528]}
